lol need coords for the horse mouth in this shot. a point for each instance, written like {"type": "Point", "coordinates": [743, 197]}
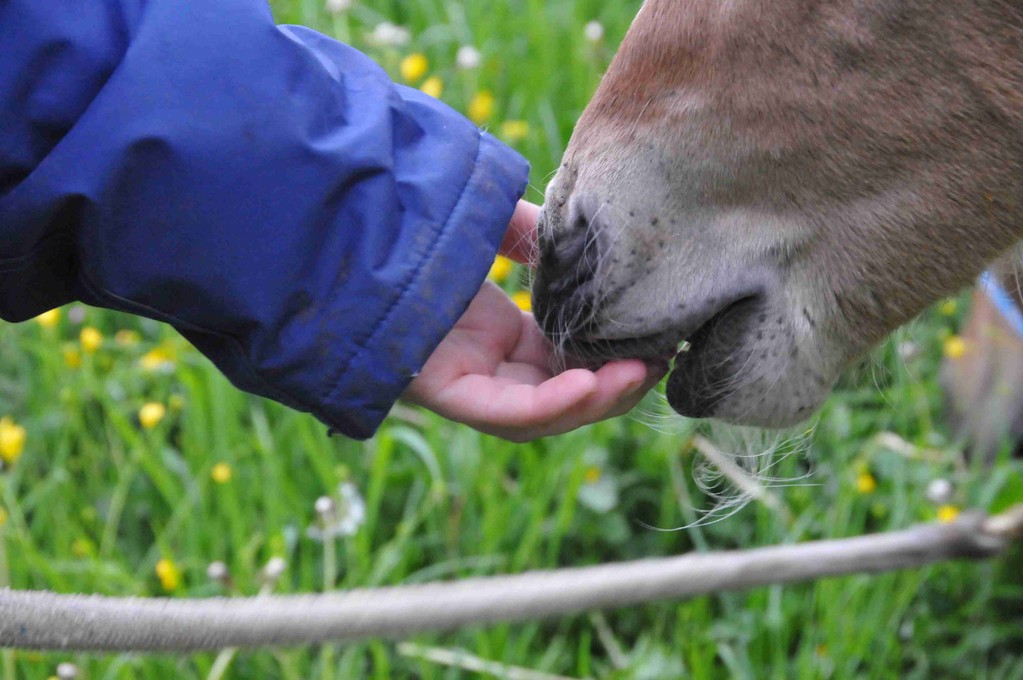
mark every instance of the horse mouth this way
{"type": "Point", "coordinates": [655, 348]}
{"type": "Point", "coordinates": [682, 343]}
{"type": "Point", "coordinates": [705, 371]}
{"type": "Point", "coordinates": [706, 357]}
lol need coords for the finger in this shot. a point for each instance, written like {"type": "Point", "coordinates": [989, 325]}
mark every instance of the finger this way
{"type": "Point", "coordinates": [556, 410]}
{"type": "Point", "coordinates": [629, 400]}
{"type": "Point", "coordinates": [520, 239]}
{"type": "Point", "coordinates": [514, 410]}
{"type": "Point", "coordinates": [620, 385]}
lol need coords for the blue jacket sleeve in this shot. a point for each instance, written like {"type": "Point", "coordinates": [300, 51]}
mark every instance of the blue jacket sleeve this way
{"type": "Point", "coordinates": [310, 226]}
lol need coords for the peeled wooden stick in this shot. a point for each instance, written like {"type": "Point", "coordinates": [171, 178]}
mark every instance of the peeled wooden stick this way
{"type": "Point", "coordinates": [43, 620]}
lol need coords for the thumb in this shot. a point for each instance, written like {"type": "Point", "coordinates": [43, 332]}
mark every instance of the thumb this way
{"type": "Point", "coordinates": [520, 240]}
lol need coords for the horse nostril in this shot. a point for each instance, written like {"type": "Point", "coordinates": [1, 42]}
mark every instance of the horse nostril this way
{"type": "Point", "coordinates": [571, 251]}
{"type": "Point", "coordinates": [566, 286]}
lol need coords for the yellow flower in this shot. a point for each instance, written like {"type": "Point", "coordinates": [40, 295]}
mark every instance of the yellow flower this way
{"type": "Point", "coordinates": [514, 130]}
{"type": "Point", "coordinates": [865, 483]}
{"type": "Point", "coordinates": [167, 572]}
{"type": "Point", "coordinates": [3, 517]}
{"type": "Point", "coordinates": [81, 547]}
{"type": "Point", "coordinates": [72, 357]}
{"type": "Point", "coordinates": [158, 359]}
{"type": "Point", "coordinates": [49, 319]}
{"type": "Point", "coordinates": [948, 307]}
{"type": "Point", "coordinates": [501, 268]}
{"type": "Point", "coordinates": [481, 108]}
{"type": "Point", "coordinates": [221, 473]}
{"type": "Point", "coordinates": [592, 474]}
{"type": "Point", "coordinates": [414, 67]}
{"type": "Point", "coordinates": [947, 513]}
{"type": "Point", "coordinates": [12, 440]}
{"type": "Point", "coordinates": [91, 339]}
{"type": "Point", "coordinates": [433, 86]}
{"type": "Point", "coordinates": [955, 347]}
{"type": "Point", "coordinates": [523, 299]}
{"type": "Point", "coordinates": [151, 414]}
{"type": "Point", "coordinates": [126, 338]}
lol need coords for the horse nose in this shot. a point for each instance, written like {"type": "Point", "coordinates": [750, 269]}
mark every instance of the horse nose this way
{"type": "Point", "coordinates": [565, 286]}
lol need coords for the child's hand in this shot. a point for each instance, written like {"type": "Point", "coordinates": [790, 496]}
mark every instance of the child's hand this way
{"type": "Point", "coordinates": [493, 371]}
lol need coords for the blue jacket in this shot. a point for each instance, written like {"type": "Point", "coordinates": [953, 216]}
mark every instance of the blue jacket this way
{"type": "Point", "coordinates": [311, 227]}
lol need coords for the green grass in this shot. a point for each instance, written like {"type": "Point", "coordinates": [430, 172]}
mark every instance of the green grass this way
{"type": "Point", "coordinates": [95, 501]}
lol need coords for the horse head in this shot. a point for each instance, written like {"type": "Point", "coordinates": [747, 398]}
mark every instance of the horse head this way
{"type": "Point", "coordinates": [780, 185]}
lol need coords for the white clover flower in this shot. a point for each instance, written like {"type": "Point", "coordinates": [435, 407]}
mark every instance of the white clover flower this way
{"type": "Point", "coordinates": [940, 491]}
{"type": "Point", "coordinates": [468, 57]}
{"type": "Point", "coordinates": [274, 568]}
{"type": "Point", "coordinates": [217, 571]}
{"type": "Point", "coordinates": [76, 314]}
{"type": "Point", "coordinates": [594, 31]}
{"type": "Point", "coordinates": [338, 6]}
{"type": "Point", "coordinates": [387, 34]}
{"type": "Point", "coordinates": [339, 517]}
{"type": "Point", "coordinates": [355, 508]}
{"type": "Point", "coordinates": [324, 506]}
{"type": "Point", "coordinates": [908, 350]}
{"type": "Point", "coordinates": [67, 671]}
{"type": "Point", "coordinates": [402, 36]}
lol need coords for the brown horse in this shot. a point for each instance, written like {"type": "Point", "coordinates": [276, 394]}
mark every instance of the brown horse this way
{"type": "Point", "coordinates": [781, 184]}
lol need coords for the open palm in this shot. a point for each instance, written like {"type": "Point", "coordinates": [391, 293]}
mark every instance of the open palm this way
{"type": "Point", "coordinates": [495, 370]}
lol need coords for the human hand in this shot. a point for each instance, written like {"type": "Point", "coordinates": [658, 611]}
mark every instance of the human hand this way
{"type": "Point", "coordinates": [493, 371]}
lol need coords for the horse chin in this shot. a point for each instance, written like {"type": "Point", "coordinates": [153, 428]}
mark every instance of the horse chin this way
{"type": "Point", "coordinates": [745, 367]}
{"type": "Point", "coordinates": [710, 384]}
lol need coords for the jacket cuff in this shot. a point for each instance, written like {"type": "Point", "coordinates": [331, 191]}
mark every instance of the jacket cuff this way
{"type": "Point", "coordinates": [445, 282]}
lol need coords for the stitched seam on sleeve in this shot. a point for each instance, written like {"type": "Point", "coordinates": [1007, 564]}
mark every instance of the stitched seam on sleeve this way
{"type": "Point", "coordinates": [412, 279]}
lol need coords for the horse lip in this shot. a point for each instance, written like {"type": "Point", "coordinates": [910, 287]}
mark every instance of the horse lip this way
{"type": "Point", "coordinates": [661, 345]}
{"type": "Point", "coordinates": [720, 313]}
{"type": "Point", "coordinates": [656, 347]}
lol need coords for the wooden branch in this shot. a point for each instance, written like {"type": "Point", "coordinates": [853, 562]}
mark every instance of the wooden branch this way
{"type": "Point", "coordinates": [43, 620]}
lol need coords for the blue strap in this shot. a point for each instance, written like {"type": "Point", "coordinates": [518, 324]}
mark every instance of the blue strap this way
{"type": "Point", "coordinates": [1003, 302]}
